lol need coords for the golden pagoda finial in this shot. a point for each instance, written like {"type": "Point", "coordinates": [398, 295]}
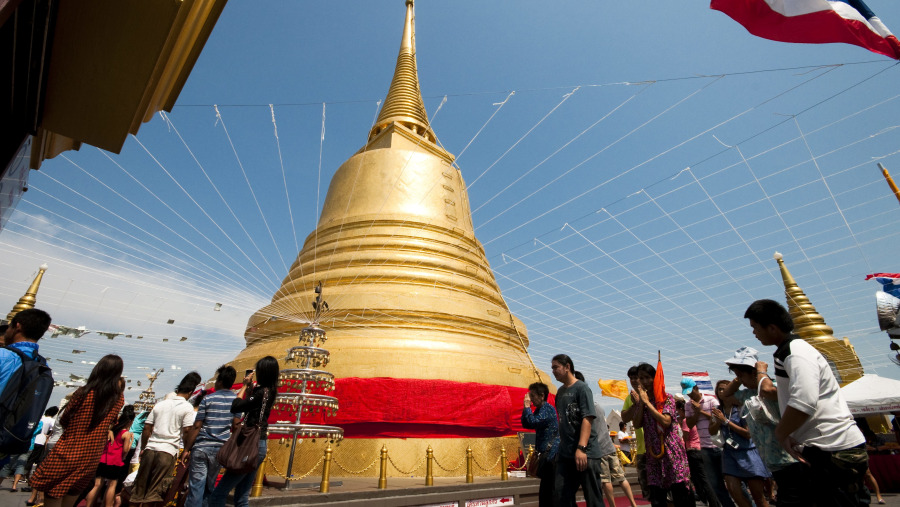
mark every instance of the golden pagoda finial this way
{"type": "Point", "coordinates": [403, 103]}
{"type": "Point", "coordinates": [807, 321]}
{"type": "Point", "coordinates": [27, 301]}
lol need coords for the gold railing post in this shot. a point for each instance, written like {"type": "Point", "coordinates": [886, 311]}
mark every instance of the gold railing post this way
{"type": "Point", "coordinates": [382, 476]}
{"type": "Point", "coordinates": [530, 452]}
{"type": "Point", "coordinates": [326, 470]}
{"type": "Point", "coordinates": [257, 488]}
{"type": "Point", "coordinates": [504, 465]}
{"type": "Point", "coordinates": [470, 477]}
{"type": "Point", "coordinates": [429, 472]}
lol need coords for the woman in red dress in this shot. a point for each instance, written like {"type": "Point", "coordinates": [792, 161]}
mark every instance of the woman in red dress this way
{"type": "Point", "coordinates": [86, 419]}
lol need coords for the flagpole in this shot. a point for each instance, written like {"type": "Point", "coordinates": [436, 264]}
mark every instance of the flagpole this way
{"type": "Point", "coordinates": [890, 181]}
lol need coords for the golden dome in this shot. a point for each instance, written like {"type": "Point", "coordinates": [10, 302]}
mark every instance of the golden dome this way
{"type": "Point", "coordinates": [412, 296]}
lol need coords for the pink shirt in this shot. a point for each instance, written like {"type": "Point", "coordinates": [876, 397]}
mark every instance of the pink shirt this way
{"type": "Point", "coordinates": [707, 403]}
{"type": "Point", "coordinates": [112, 454]}
{"type": "Point", "coordinates": [690, 436]}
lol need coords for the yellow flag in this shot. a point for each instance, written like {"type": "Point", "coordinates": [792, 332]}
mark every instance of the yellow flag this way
{"type": "Point", "coordinates": [613, 388]}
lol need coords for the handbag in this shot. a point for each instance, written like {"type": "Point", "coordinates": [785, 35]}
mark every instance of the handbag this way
{"type": "Point", "coordinates": [757, 409]}
{"type": "Point", "coordinates": [240, 454]}
{"type": "Point", "coordinates": [537, 463]}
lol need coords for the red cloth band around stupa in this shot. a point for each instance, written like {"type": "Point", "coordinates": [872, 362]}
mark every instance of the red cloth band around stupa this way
{"type": "Point", "coordinates": [416, 408]}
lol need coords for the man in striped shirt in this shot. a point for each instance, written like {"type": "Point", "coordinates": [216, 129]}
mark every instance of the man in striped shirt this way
{"type": "Point", "coordinates": [213, 421]}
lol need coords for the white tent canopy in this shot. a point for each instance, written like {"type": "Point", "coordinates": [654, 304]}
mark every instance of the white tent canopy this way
{"type": "Point", "coordinates": [871, 394]}
{"type": "Point", "coordinates": [613, 420]}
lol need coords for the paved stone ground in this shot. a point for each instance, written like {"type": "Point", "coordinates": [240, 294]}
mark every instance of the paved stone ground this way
{"type": "Point", "coordinates": [9, 499]}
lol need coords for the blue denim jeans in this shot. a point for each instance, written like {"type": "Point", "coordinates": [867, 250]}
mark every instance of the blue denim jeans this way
{"type": "Point", "coordinates": [240, 483]}
{"type": "Point", "coordinates": [202, 472]}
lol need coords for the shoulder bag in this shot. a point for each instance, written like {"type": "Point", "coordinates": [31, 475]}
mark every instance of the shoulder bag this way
{"type": "Point", "coordinates": [240, 454]}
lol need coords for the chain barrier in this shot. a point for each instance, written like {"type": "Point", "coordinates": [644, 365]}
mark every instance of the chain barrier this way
{"type": "Point", "coordinates": [485, 469]}
{"type": "Point", "coordinates": [351, 472]}
{"type": "Point", "coordinates": [281, 474]}
{"type": "Point", "coordinates": [391, 460]}
{"type": "Point", "coordinates": [457, 467]}
{"type": "Point", "coordinates": [403, 472]}
{"type": "Point", "coordinates": [519, 468]}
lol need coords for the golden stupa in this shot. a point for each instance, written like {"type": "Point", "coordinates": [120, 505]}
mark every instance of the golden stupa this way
{"type": "Point", "coordinates": [411, 293]}
{"type": "Point", "coordinates": [29, 299]}
{"type": "Point", "coordinates": [810, 326]}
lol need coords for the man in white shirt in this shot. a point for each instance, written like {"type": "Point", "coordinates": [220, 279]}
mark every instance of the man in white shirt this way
{"type": "Point", "coordinates": [167, 427]}
{"type": "Point", "coordinates": [40, 441]}
{"type": "Point", "coordinates": [816, 426]}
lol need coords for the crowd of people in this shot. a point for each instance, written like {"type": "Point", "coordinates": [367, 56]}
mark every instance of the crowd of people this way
{"type": "Point", "coordinates": [758, 438]}
{"type": "Point", "coordinates": [96, 448]}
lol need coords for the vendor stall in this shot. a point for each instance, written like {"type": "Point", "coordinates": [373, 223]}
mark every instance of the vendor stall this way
{"type": "Point", "coordinates": [873, 395]}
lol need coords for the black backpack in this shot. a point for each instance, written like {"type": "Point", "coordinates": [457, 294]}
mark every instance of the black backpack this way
{"type": "Point", "coordinates": [23, 401]}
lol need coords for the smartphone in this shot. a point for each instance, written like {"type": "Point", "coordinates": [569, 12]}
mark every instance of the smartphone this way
{"type": "Point", "coordinates": [248, 371]}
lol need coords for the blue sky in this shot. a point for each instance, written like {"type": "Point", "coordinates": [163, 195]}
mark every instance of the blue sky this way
{"type": "Point", "coordinates": [629, 194]}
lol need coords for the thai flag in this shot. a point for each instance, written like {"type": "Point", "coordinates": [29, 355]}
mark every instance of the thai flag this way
{"type": "Point", "coordinates": [889, 281]}
{"type": "Point", "coordinates": [813, 22]}
{"type": "Point", "coordinates": [702, 380]}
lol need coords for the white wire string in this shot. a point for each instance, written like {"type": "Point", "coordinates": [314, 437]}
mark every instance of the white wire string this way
{"type": "Point", "coordinates": [526, 134]}
{"type": "Point", "coordinates": [828, 187]}
{"type": "Point", "coordinates": [262, 215]}
{"type": "Point", "coordinates": [287, 197]}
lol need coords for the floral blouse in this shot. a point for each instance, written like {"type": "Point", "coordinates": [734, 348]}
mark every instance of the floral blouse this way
{"type": "Point", "coordinates": [672, 466]}
{"type": "Point", "coordinates": [546, 428]}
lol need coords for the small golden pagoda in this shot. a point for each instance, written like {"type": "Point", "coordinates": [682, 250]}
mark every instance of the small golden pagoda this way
{"type": "Point", "coordinates": [29, 299]}
{"type": "Point", "coordinates": [811, 326]}
{"type": "Point", "coordinates": [412, 295]}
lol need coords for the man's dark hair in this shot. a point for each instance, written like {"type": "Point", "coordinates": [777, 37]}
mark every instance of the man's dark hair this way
{"type": "Point", "coordinates": [225, 376]}
{"type": "Point", "coordinates": [540, 389]}
{"type": "Point", "coordinates": [632, 372]}
{"type": "Point", "coordinates": [741, 368]}
{"type": "Point", "coordinates": [646, 368]}
{"type": "Point", "coordinates": [766, 312]}
{"type": "Point", "coordinates": [565, 361]}
{"type": "Point", "coordinates": [51, 412]}
{"type": "Point", "coordinates": [621, 425]}
{"type": "Point", "coordinates": [33, 322]}
{"type": "Point", "coordinates": [578, 375]}
{"type": "Point", "coordinates": [188, 383]}
{"type": "Point", "coordinates": [679, 404]}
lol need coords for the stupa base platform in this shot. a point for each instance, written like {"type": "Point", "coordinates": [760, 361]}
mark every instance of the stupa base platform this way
{"type": "Point", "coordinates": [358, 457]}
{"type": "Point", "coordinates": [404, 491]}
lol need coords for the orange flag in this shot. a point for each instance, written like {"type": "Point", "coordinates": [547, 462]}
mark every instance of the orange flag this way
{"type": "Point", "coordinates": [659, 384]}
{"type": "Point", "coordinates": [613, 388]}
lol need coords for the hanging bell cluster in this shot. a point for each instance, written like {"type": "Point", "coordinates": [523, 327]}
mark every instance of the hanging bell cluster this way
{"type": "Point", "coordinates": [300, 388]}
{"type": "Point", "coordinates": [306, 403]}
{"type": "Point", "coordinates": [288, 431]}
{"type": "Point", "coordinates": [312, 336]}
{"type": "Point", "coordinates": [313, 380]}
{"type": "Point", "coordinates": [311, 356]}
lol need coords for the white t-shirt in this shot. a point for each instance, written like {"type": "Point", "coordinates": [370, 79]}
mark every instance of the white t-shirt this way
{"type": "Point", "coordinates": [168, 418]}
{"type": "Point", "coordinates": [47, 426]}
{"type": "Point", "coordinates": [805, 382]}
